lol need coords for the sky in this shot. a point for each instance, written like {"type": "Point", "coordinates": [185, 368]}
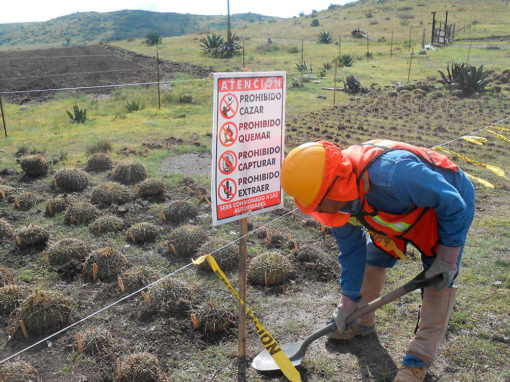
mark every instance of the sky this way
{"type": "Point", "coordinates": [37, 10]}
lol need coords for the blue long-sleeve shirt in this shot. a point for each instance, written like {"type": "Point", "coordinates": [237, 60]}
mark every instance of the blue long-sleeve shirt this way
{"type": "Point", "coordinates": [399, 180]}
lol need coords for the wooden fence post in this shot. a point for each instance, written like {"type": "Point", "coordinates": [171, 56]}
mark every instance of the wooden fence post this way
{"type": "Point", "coordinates": [3, 117]}
{"type": "Point", "coordinates": [157, 73]}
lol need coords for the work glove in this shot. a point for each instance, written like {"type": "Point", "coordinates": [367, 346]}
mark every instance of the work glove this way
{"type": "Point", "coordinates": [444, 264]}
{"type": "Point", "coordinates": [341, 312]}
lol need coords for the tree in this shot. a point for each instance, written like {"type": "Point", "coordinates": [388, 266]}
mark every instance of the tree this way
{"type": "Point", "coordinates": [153, 38]}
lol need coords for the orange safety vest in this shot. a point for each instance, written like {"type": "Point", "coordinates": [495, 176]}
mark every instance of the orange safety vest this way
{"type": "Point", "coordinates": [419, 226]}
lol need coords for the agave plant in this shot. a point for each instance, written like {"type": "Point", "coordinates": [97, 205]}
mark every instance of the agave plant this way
{"type": "Point", "coordinates": [324, 38]}
{"type": "Point", "coordinates": [211, 42]}
{"type": "Point", "coordinates": [454, 71]}
{"type": "Point", "coordinates": [467, 78]}
{"type": "Point", "coordinates": [302, 67]}
{"type": "Point", "coordinates": [326, 66]}
{"type": "Point", "coordinates": [78, 115]}
{"type": "Point", "coordinates": [345, 60]}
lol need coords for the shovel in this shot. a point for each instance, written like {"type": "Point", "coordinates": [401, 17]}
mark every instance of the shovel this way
{"type": "Point", "coordinates": [296, 351]}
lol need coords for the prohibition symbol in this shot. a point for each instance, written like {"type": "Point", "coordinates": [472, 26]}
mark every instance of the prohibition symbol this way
{"type": "Point", "coordinates": [228, 134]}
{"type": "Point", "coordinates": [227, 190]}
{"type": "Point", "coordinates": [229, 105]}
{"type": "Point", "coordinates": [227, 163]}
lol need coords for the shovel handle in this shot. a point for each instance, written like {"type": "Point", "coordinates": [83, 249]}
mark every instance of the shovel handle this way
{"type": "Point", "coordinates": [418, 282]}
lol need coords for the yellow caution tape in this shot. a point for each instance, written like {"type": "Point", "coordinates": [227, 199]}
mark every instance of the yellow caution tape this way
{"type": "Point", "coordinates": [265, 337]}
{"type": "Point", "coordinates": [499, 136]}
{"type": "Point", "coordinates": [383, 240]}
{"type": "Point", "coordinates": [474, 139]}
{"type": "Point", "coordinates": [495, 169]}
{"type": "Point", "coordinates": [479, 180]}
{"type": "Point", "coordinates": [500, 128]}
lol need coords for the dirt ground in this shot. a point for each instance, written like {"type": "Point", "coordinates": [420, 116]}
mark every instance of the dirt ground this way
{"type": "Point", "coordinates": [83, 66]}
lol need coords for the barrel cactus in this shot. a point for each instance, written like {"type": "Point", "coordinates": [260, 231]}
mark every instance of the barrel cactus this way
{"type": "Point", "coordinates": [32, 236]}
{"type": "Point", "coordinates": [109, 261]}
{"type": "Point", "coordinates": [6, 277]}
{"type": "Point", "coordinates": [214, 315]}
{"type": "Point", "coordinates": [110, 193]}
{"type": "Point", "coordinates": [80, 213]}
{"type": "Point", "coordinates": [11, 297]}
{"type": "Point", "coordinates": [184, 241]}
{"type": "Point", "coordinates": [140, 367]}
{"type": "Point", "coordinates": [42, 311]}
{"type": "Point", "coordinates": [137, 277]}
{"type": "Point", "coordinates": [34, 166]}
{"type": "Point", "coordinates": [226, 256]}
{"type": "Point", "coordinates": [67, 255]}
{"type": "Point", "coordinates": [96, 340]}
{"type": "Point", "coordinates": [25, 201]}
{"type": "Point", "coordinates": [150, 188]}
{"type": "Point", "coordinates": [6, 231]}
{"type": "Point", "coordinates": [179, 211]}
{"type": "Point", "coordinates": [315, 264]}
{"type": "Point", "coordinates": [105, 224]}
{"type": "Point", "coordinates": [18, 371]}
{"type": "Point", "coordinates": [142, 232]}
{"type": "Point", "coordinates": [71, 180]}
{"type": "Point", "coordinates": [269, 268]}
{"type": "Point", "coordinates": [56, 205]}
{"type": "Point", "coordinates": [7, 192]}
{"type": "Point", "coordinates": [170, 297]}
{"type": "Point", "coordinates": [129, 173]}
{"type": "Point", "coordinates": [99, 162]}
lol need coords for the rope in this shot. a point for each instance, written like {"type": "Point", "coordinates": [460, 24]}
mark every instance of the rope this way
{"type": "Point", "coordinates": [138, 291]}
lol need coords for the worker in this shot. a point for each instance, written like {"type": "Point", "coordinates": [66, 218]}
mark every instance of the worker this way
{"type": "Point", "coordinates": [378, 197]}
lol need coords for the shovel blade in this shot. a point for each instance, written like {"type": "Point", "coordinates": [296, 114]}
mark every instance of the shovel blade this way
{"type": "Point", "coordinates": [264, 361]}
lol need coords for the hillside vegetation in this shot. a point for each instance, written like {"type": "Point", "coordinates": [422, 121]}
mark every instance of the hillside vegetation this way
{"type": "Point", "coordinates": [92, 27]}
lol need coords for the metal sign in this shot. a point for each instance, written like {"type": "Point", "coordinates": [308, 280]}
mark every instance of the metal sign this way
{"type": "Point", "coordinates": [247, 144]}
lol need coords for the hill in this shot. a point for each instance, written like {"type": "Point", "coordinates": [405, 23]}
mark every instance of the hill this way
{"type": "Point", "coordinates": [92, 27]}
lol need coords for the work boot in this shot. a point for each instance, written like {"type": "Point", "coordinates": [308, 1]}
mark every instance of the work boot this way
{"type": "Point", "coordinates": [373, 284]}
{"type": "Point", "coordinates": [410, 374]}
{"type": "Point", "coordinates": [435, 312]}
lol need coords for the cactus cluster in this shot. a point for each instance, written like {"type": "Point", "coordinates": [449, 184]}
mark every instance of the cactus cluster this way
{"type": "Point", "coordinates": [11, 297]}
{"type": "Point", "coordinates": [71, 180]}
{"type": "Point", "coordinates": [7, 192]}
{"type": "Point", "coordinates": [96, 340]}
{"type": "Point", "coordinates": [184, 241]}
{"type": "Point", "coordinates": [140, 367]}
{"type": "Point", "coordinates": [136, 277]}
{"type": "Point", "coordinates": [269, 268]}
{"type": "Point", "coordinates": [179, 211]}
{"type": "Point", "coordinates": [105, 224]}
{"type": "Point", "coordinates": [129, 173]}
{"type": "Point", "coordinates": [42, 311]}
{"type": "Point", "coordinates": [142, 233]}
{"type": "Point", "coordinates": [213, 315]}
{"type": "Point", "coordinates": [32, 236]}
{"type": "Point", "coordinates": [6, 231]}
{"type": "Point", "coordinates": [56, 205]}
{"type": "Point", "coordinates": [110, 193]}
{"type": "Point", "coordinates": [66, 250]}
{"type": "Point", "coordinates": [226, 256]}
{"type": "Point", "coordinates": [316, 264]}
{"type": "Point", "coordinates": [150, 188]}
{"type": "Point", "coordinates": [6, 277]}
{"type": "Point", "coordinates": [80, 213]}
{"type": "Point", "coordinates": [25, 201]}
{"type": "Point", "coordinates": [34, 166]}
{"type": "Point", "coordinates": [18, 371]}
{"type": "Point", "coordinates": [99, 162]}
{"type": "Point", "coordinates": [171, 297]}
{"type": "Point", "coordinates": [110, 263]}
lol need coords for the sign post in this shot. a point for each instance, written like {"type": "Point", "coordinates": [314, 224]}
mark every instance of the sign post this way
{"type": "Point", "coordinates": [247, 153]}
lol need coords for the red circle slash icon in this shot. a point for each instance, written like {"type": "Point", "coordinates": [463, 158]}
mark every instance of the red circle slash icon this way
{"type": "Point", "coordinates": [228, 134]}
{"type": "Point", "coordinates": [228, 162]}
{"type": "Point", "coordinates": [229, 105]}
{"type": "Point", "coordinates": [227, 190]}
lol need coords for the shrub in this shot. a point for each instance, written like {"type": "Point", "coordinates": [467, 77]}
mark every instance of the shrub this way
{"type": "Point", "coordinates": [11, 297]}
{"type": "Point", "coordinates": [110, 263]}
{"type": "Point", "coordinates": [269, 268]}
{"type": "Point", "coordinates": [140, 367]}
{"type": "Point", "coordinates": [6, 277]}
{"type": "Point", "coordinates": [100, 146]}
{"type": "Point", "coordinates": [34, 166]}
{"type": "Point", "coordinates": [105, 224]}
{"type": "Point", "coordinates": [315, 23]}
{"type": "Point", "coordinates": [56, 205]}
{"type": "Point", "coordinates": [153, 38]}
{"type": "Point", "coordinates": [129, 173]}
{"type": "Point", "coordinates": [6, 231]}
{"type": "Point", "coordinates": [42, 311]}
{"type": "Point", "coordinates": [179, 211]}
{"type": "Point", "coordinates": [77, 115]}
{"type": "Point", "coordinates": [97, 340]}
{"type": "Point", "coordinates": [32, 236]}
{"type": "Point", "coordinates": [142, 232]}
{"type": "Point", "coordinates": [18, 371]}
{"type": "Point", "coordinates": [324, 38]}
{"type": "Point", "coordinates": [71, 180]}
{"type": "Point", "coordinates": [213, 315]}
{"type": "Point", "coordinates": [268, 48]}
{"type": "Point", "coordinates": [80, 213]}
{"type": "Point", "coordinates": [133, 106]}
{"type": "Point", "coordinates": [110, 193]}
{"type": "Point", "coordinates": [186, 98]}
{"type": "Point", "coordinates": [150, 188]}
{"type": "Point", "coordinates": [186, 240]}
{"type": "Point", "coordinates": [293, 49]}
{"type": "Point", "coordinates": [226, 257]}
{"type": "Point", "coordinates": [99, 162]}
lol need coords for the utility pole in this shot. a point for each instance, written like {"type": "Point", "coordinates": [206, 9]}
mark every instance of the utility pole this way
{"type": "Point", "coordinates": [229, 32]}
{"type": "Point", "coordinates": [433, 27]}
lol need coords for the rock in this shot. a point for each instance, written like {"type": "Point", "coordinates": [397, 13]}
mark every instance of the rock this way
{"type": "Point", "coordinates": [458, 93]}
